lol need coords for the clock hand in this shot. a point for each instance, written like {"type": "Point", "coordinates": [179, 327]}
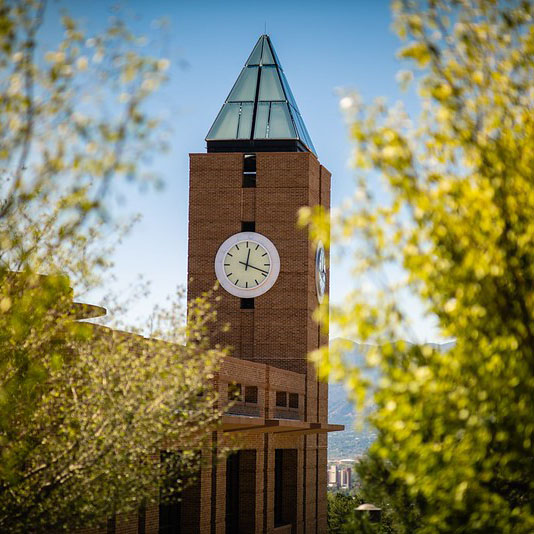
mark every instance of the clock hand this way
{"type": "Point", "coordinates": [257, 268]}
{"type": "Point", "coordinates": [248, 256]}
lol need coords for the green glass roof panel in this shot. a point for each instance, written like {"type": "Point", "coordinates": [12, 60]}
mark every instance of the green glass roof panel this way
{"type": "Point", "coordinates": [265, 112]}
{"type": "Point", "coordinates": [272, 51]}
{"type": "Point", "coordinates": [287, 90]}
{"type": "Point", "coordinates": [225, 125]}
{"type": "Point", "coordinates": [244, 89]}
{"type": "Point", "coordinates": [255, 56]}
{"type": "Point", "coordinates": [270, 86]}
{"type": "Point", "coordinates": [303, 134]}
{"type": "Point", "coordinates": [280, 123]}
{"type": "Point", "coordinates": [245, 120]}
{"type": "Point", "coordinates": [262, 119]}
{"type": "Point", "coordinates": [267, 57]}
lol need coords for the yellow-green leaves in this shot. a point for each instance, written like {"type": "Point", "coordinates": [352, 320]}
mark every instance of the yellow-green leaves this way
{"type": "Point", "coordinates": [451, 229]}
{"type": "Point", "coordinates": [419, 52]}
{"type": "Point", "coordinates": [84, 410]}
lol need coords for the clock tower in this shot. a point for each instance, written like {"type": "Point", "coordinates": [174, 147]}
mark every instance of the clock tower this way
{"type": "Point", "coordinates": [245, 192]}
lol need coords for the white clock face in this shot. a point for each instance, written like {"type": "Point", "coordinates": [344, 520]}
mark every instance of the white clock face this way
{"type": "Point", "coordinates": [320, 271]}
{"type": "Point", "coordinates": [247, 264]}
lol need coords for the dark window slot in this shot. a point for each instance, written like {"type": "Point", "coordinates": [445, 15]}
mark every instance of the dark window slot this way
{"type": "Point", "coordinates": [285, 484]}
{"type": "Point", "coordinates": [232, 493]}
{"type": "Point", "coordinates": [281, 398]}
{"type": "Point", "coordinates": [293, 400]}
{"type": "Point", "coordinates": [248, 226]}
{"type": "Point", "coordinates": [247, 304]}
{"type": "Point", "coordinates": [251, 394]}
{"type": "Point", "coordinates": [141, 519]}
{"type": "Point", "coordinates": [249, 163]}
{"type": "Point", "coordinates": [249, 180]}
{"type": "Point", "coordinates": [241, 492]}
{"type": "Point", "coordinates": [249, 170]}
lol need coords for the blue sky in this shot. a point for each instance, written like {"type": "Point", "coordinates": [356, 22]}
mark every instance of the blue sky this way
{"type": "Point", "coordinates": [322, 46]}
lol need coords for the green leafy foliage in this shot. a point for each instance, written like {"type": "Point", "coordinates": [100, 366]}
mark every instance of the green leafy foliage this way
{"type": "Point", "coordinates": [340, 511]}
{"type": "Point", "coordinates": [455, 429]}
{"type": "Point", "coordinates": [84, 410]}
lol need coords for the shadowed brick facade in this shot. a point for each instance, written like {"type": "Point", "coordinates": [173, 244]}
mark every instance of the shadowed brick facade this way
{"type": "Point", "coordinates": [276, 334]}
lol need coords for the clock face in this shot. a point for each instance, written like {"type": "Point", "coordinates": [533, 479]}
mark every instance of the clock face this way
{"type": "Point", "coordinates": [320, 271]}
{"type": "Point", "coordinates": [247, 264]}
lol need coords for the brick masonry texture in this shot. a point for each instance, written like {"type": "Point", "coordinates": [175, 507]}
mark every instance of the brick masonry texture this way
{"type": "Point", "coordinates": [279, 332]}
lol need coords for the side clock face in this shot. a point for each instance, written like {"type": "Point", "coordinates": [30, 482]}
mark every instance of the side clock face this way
{"type": "Point", "coordinates": [320, 271]}
{"type": "Point", "coordinates": [247, 264]}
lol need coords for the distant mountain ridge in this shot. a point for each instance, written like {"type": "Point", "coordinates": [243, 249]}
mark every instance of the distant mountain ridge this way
{"type": "Point", "coordinates": [353, 442]}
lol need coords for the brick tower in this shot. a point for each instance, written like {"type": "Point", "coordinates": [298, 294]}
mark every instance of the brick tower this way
{"type": "Point", "coordinates": [259, 169]}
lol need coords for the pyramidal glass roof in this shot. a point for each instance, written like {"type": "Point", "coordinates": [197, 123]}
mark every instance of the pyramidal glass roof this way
{"type": "Point", "coordinates": [260, 106]}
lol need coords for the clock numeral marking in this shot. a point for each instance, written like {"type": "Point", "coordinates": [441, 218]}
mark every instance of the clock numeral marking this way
{"type": "Point", "coordinates": [237, 247]}
{"type": "Point", "coordinates": [246, 284]}
{"type": "Point", "coordinates": [231, 255]}
{"type": "Point", "coordinates": [264, 274]}
{"type": "Point", "coordinates": [256, 247]}
{"type": "Point", "coordinates": [256, 281]}
{"type": "Point", "coordinates": [226, 264]}
{"type": "Point", "coordinates": [266, 264]}
{"type": "Point", "coordinates": [236, 281]}
{"type": "Point", "coordinates": [264, 255]}
{"type": "Point", "coordinates": [247, 244]}
{"type": "Point", "coordinates": [229, 274]}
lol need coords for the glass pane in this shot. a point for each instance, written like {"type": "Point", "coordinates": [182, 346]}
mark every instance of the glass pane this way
{"type": "Point", "coordinates": [302, 131]}
{"type": "Point", "coordinates": [273, 51]}
{"type": "Point", "coordinates": [254, 58]}
{"type": "Point", "coordinates": [225, 125]}
{"type": "Point", "coordinates": [270, 86]}
{"type": "Point", "coordinates": [300, 127]}
{"type": "Point", "coordinates": [245, 87]}
{"type": "Point", "coordinates": [245, 120]}
{"type": "Point", "coordinates": [287, 89]}
{"type": "Point", "coordinates": [280, 124]}
{"type": "Point", "coordinates": [262, 116]}
{"type": "Point", "coordinates": [266, 57]}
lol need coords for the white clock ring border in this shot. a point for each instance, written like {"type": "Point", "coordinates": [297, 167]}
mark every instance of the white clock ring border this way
{"type": "Point", "coordinates": [270, 279]}
{"type": "Point", "coordinates": [320, 271]}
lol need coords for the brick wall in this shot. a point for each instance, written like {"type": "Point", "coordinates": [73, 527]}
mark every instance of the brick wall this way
{"type": "Point", "coordinates": [280, 330]}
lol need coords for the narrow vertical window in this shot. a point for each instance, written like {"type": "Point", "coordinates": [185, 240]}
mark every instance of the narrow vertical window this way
{"type": "Point", "coordinates": [285, 487]}
{"type": "Point", "coordinates": [281, 398]}
{"type": "Point", "coordinates": [141, 519]}
{"type": "Point", "coordinates": [232, 493]}
{"type": "Point", "coordinates": [251, 394]}
{"type": "Point", "coordinates": [241, 492]}
{"type": "Point", "coordinates": [249, 170]}
{"type": "Point", "coordinates": [279, 488]}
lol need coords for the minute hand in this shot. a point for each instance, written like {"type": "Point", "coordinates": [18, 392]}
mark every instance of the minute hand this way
{"type": "Point", "coordinates": [257, 268]}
